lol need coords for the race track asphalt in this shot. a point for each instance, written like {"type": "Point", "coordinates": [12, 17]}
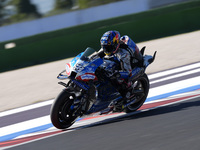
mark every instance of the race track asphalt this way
{"type": "Point", "coordinates": [172, 127]}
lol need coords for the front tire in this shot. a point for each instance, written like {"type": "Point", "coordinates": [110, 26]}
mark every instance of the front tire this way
{"type": "Point", "coordinates": [61, 115]}
{"type": "Point", "coordinates": [142, 88]}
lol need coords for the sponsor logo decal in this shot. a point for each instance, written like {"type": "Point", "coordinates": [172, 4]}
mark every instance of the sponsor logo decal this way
{"type": "Point", "coordinates": [88, 77]}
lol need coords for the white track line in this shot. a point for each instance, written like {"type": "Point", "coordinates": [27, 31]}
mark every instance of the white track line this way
{"type": "Point", "coordinates": [176, 70]}
{"type": "Point", "coordinates": [17, 110]}
{"type": "Point", "coordinates": [174, 86]}
{"type": "Point", "coordinates": [176, 76]}
{"type": "Point", "coordinates": [25, 125]}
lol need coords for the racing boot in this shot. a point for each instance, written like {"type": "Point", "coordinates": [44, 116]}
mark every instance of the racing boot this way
{"type": "Point", "coordinates": [126, 93]}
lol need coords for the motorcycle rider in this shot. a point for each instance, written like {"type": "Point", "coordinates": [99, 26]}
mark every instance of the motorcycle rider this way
{"type": "Point", "coordinates": [125, 51]}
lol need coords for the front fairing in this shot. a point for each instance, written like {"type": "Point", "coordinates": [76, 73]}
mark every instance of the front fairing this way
{"type": "Point", "coordinates": [83, 64]}
{"type": "Point", "coordinates": [87, 68]}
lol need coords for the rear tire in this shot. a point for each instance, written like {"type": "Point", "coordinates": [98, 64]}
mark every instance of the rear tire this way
{"type": "Point", "coordinates": [143, 88]}
{"type": "Point", "coordinates": [61, 115]}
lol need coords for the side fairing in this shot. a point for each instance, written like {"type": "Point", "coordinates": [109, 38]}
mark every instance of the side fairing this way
{"type": "Point", "coordinates": [104, 95]}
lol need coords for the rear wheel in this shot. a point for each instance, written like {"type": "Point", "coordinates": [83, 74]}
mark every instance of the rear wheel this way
{"type": "Point", "coordinates": [61, 114]}
{"type": "Point", "coordinates": [141, 90]}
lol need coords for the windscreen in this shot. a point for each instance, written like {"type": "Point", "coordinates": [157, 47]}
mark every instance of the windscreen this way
{"type": "Point", "coordinates": [89, 51]}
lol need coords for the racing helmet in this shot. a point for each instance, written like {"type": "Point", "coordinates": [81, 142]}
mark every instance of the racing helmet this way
{"type": "Point", "coordinates": [110, 42]}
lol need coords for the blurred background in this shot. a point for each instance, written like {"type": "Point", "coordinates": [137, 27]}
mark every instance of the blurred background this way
{"type": "Point", "coordinates": [39, 31]}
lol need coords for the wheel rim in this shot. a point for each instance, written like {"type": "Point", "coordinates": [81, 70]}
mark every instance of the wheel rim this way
{"type": "Point", "coordinates": [141, 86]}
{"type": "Point", "coordinates": [65, 114]}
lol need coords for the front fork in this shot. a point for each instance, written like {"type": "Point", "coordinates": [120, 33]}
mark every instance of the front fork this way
{"type": "Point", "coordinates": [80, 105]}
{"type": "Point", "coordinates": [80, 97]}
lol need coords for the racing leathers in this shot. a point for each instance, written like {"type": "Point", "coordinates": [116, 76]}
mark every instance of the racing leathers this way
{"type": "Point", "coordinates": [131, 65]}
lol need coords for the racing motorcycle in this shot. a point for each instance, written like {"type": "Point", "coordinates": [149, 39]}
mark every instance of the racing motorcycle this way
{"type": "Point", "coordinates": [89, 89]}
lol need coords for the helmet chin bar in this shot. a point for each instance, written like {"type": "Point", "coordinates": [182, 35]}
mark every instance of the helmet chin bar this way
{"type": "Point", "coordinates": [116, 49]}
{"type": "Point", "coordinates": [108, 54]}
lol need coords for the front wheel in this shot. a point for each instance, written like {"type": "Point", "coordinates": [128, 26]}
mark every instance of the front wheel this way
{"type": "Point", "coordinates": [61, 115]}
{"type": "Point", "coordinates": [141, 88]}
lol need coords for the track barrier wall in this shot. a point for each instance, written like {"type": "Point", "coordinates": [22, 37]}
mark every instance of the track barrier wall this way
{"type": "Point", "coordinates": [65, 43]}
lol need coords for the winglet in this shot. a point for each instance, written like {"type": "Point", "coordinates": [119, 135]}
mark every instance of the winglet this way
{"type": "Point", "coordinates": [152, 59]}
{"type": "Point", "coordinates": [142, 50]}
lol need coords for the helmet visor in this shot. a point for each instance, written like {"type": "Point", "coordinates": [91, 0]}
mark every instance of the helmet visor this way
{"type": "Point", "coordinates": [108, 49]}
